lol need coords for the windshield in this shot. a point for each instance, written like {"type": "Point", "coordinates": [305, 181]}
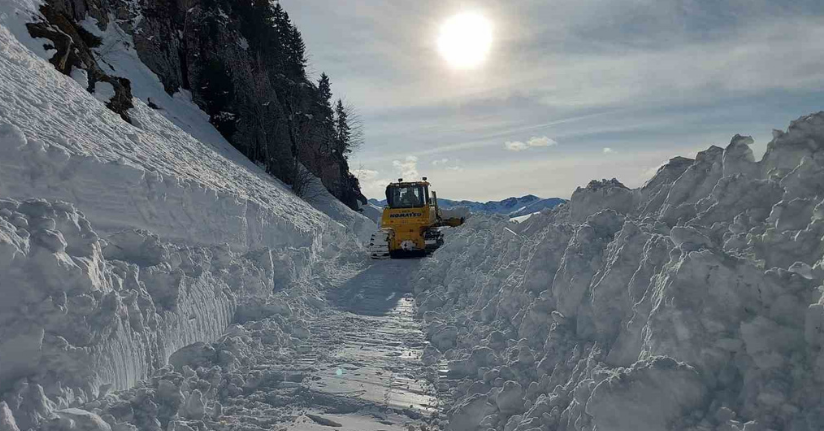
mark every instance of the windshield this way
{"type": "Point", "coordinates": [405, 196]}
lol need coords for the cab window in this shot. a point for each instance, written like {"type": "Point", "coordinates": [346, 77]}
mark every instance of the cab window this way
{"type": "Point", "coordinates": [406, 196]}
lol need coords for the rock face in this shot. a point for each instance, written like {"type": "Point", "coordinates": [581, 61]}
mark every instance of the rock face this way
{"type": "Point", "coordinates": [74, 51]}
{"type": "Point", "coordinates": [242, 63]}
{"type": "Point", "coordinates": [692, 303]}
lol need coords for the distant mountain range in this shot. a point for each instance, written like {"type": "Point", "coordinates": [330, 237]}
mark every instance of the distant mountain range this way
{"type": "Point", "coordinates": [513, 207]}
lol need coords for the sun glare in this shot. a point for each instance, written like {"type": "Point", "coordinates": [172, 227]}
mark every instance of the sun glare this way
{"type": "Point", "coordinates": [465, 40]}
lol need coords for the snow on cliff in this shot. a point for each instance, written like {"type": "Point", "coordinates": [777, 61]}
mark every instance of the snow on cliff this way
{"type": "Point", "coordinates": [122, 243]}
{"type": "Point", "coordinates": [692, 303]}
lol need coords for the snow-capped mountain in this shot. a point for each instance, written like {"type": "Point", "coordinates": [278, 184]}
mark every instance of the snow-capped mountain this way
{"type": "Point", "coordinates": [513, 207]}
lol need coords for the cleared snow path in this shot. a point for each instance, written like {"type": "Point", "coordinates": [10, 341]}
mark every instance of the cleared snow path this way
{"type": "Point", "coordinates": [360, 367]}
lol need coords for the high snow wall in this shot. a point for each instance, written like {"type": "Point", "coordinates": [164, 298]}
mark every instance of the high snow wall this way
{"type": "Point", "coordinates": [121, 243]}
{"type": "Point", "coordinates": [692, 303]}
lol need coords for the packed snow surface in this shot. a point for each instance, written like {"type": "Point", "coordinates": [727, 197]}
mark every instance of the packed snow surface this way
{"type": "Point", "coordinates": [692, 303]}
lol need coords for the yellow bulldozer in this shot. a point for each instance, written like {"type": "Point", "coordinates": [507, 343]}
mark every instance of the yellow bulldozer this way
{"type": "Point", "coordinates": [411, 222]}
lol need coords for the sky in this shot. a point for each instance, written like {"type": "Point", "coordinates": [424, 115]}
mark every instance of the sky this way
{"type": "Point", "coordinates": [571, 90]}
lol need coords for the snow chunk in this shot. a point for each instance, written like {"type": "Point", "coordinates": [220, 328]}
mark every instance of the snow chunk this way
{"type": "Point", "coordinates": [103, 91]}
{"type": "Point", "coordinates": [804, 138]}
{"type": "Point", "coordinates": [11, 136]}
{"type": "Point", "coordinates": [82, 77]}
{"type": "Point", "coordinates": [7, 422]}
{"type": "Point", "coordinates": [601, 195]}
{"type": "Point", "coordinates": [81, 420]}
{"type": "Point", "coordinates": [510, 400]}
{"type": "Point", "coordinates": [738, 157]}
{"type": "Point", "coordinates": [649, 396]}
{"type": "Point", "coordinates": [469, 414]}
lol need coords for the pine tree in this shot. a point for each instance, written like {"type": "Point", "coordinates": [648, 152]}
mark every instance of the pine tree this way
{"type": "Point", "coordinates": [343, 132]}
{"type": "Point", "coordinates": [283, 26]}
{"type": "Point", "coordinates": [326, 113]}
{"type": "Point", "coordinates": [297, 52]}
{"type": "Point", "coordinates": [264, 11]}
{"type": "Point", "coordinates": [325, 91]}
{"type": "Point", "coordinates": [279, 16]}
{"type": "Point", "coordinates": [280, 36]}
{"type": "Point", "coordinates": [258, 20]}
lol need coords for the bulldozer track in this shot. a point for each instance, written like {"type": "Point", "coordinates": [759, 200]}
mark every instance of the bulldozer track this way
{"type": "Point", "coordinates": [379, 245]}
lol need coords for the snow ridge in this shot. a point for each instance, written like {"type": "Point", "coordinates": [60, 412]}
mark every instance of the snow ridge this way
{"type": "Point", "coordinates": [692, 303]}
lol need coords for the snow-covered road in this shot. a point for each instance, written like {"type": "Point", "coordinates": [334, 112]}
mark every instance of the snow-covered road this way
{"type": "Point", "coordinates": [360, 367]}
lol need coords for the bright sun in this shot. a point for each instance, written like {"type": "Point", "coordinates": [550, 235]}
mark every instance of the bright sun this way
{"type": "Point", "coordinates": [465, 40]}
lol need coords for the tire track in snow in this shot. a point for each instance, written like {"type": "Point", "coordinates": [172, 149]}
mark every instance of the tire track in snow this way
{"type": "Point", "coordinates": [367, 354]}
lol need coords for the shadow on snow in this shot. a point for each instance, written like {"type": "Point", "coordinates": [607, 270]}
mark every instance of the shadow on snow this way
{"type": "Point", "coordinates": [376, 290]}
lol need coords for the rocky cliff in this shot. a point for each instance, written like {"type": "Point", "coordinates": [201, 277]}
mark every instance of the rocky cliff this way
{"type": "Point", "coordinates": [242, 62]}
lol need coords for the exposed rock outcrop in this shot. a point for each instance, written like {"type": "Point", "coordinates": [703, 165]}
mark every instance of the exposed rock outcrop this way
{"type": "Point", "coordinates": [242, 62]}
{"type": "Point", "coordinates": [74, 51]}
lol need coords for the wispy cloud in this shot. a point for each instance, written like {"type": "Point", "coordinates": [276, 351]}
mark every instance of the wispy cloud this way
{"type": "Point", "coordinates": [365, 174]}
{"type": "Point", "coordinates": [456, 166]}
{"type": "Point", "coordinates": [533, 142]}
{"type": "Point", "coordinates": [645, 53]}
{"type": "Point", "coordinates": [555, 177]}
{"type": "Point", "coordinates": [407, 167]}
{"type": "Point", "coordinates": [371, 182]}
{"type": "Point", "coordinates": [515, 146]}
{"type": "Point", "coordinates": [448, 164]}
{"type": "Point", "coordinates": [627, 75]}
{"type": "Point", "coordinates": [541, 141]}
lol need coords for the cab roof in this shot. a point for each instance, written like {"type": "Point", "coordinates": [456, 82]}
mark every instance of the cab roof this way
{"type": "Point", "coordinates": [409, 183]}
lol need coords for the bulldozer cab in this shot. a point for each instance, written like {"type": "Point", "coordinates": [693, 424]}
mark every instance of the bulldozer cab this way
{"type": "Point", "coordinates": [410, 222]}
{"type": "Point", "coordinates": [407, 195]}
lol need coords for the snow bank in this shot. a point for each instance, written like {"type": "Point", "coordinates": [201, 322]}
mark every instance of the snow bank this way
{"type": "Point", "coordinates": [372, 212]}
{"type": "Point", "coordinates": [122, 243]}
{"type": "Point", "coordinates": [691, 303]}
{"type": "Point", "coordinates": [83, 315]}
{"type": "Point", "coordinates": [361, 225]}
